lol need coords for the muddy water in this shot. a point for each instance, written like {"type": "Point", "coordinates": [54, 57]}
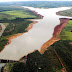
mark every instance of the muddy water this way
{"type": "Point", "coordinates": [36, 37]}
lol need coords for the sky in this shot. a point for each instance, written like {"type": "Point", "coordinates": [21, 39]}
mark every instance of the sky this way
{"type": "Point", "coordinates": [32, 0]}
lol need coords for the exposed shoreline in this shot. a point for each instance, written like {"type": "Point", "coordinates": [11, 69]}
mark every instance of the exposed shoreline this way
{"type": "Point", "coordinates": [56, 33]}
{"type": "Point", "coordinates": [57, 13]}
{"type": "Point", "coordinates": [57, 30]}
{"type": "Point", "coordinates": [28, 28]}
{"type": "Point", "coordinates": [16, 35]}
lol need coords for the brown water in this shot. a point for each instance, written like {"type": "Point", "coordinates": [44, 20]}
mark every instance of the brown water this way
{"type": "Point", "coordinates": [36, 37]}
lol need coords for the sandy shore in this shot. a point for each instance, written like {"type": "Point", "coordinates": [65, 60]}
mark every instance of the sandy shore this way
{"type": "Point", "coordinates": [57, 30]}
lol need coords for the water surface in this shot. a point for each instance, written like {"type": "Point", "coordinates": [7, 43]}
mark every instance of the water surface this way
{"type": "Point", "coordinates": [36, 37]}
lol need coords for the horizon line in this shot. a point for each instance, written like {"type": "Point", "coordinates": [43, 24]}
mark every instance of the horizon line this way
{"type": "Point", "coordinates": [36, 1]}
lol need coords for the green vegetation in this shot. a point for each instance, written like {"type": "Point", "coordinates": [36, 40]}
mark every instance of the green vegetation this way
{"type": "Point", "coordinates": [66, 33]}
{"type": "Point", "coordinates": [19, 67]}
{"type": "Point", "coordinates": [3, 42]}
{"type": "Point", "coordinates": [66, 13]}
{"type": "Point", "coordinates": [10, 8]}
{"type": "Point", "coordinates": [63, 48]}
{"type": "Point", "coordinates": [15, 18]}
{"type": "Point", "coordinates": [15, 26]}
{"type": "Point", "coordinates": [48, 62]}
{"type": "Point", "coordinates": [7, 67]}
{"type": "Point", "coordinates": [16, 12]}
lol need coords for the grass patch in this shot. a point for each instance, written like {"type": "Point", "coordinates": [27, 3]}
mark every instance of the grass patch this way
{"type": "Point", "coordinates": [14, 14]}
{"type": "Point", "coordinates": [66, 33]}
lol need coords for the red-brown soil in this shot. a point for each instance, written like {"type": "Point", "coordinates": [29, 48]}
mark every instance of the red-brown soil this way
{"type": "Point", "coordinates": [16, 35]}
{"type": "Point", "coordinates": [70, 43]}
{"type": "Point", "coordinates": [38, 14]}
{"type": "Point", "coordinates": [57, 30]}
{"type": "Point", "coordinates": [30, 25]}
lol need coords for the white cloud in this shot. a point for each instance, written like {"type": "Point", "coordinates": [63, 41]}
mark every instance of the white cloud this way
{"type": "Point", "coordinates": [32, 0]}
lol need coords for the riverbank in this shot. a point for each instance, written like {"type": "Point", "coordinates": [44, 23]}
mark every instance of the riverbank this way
{"type": "Point", "coordinates": [16, 35]}
{"type": "Point", "coordinates": [57, 30]}
{"type": "Point", "coordinates": [56, 33]}
{"type": "Point", "coordinates": [19, 34]}
{"type": "Point", "coordinates": [38, 14]}
{"type": "Point", "coordinates": [27, 29]}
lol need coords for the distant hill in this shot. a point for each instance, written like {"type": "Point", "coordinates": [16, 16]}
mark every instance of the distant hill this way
{"type": "Point", "coordinates": [40, 4]}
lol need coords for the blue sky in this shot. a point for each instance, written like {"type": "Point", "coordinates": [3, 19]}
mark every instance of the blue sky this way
{"type": "Point", "coordinates": [32, 0]}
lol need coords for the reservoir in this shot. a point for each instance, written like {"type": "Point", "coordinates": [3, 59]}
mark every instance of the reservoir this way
{"type": "Point", "coordinates": [35, 37]}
